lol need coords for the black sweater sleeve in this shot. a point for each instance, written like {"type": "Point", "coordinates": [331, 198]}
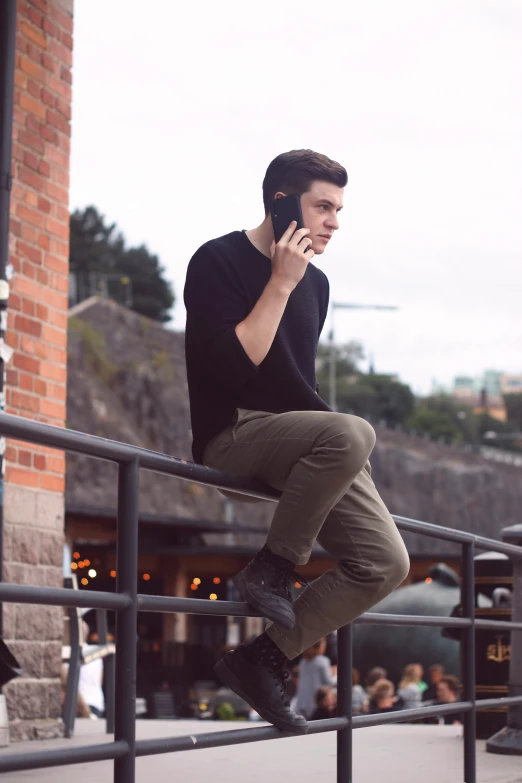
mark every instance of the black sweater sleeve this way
{"type": "Point", "coordinates": [215, 304]}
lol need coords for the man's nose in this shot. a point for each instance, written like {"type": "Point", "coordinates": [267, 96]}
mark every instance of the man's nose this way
{"type": "Point", "coordinates": [332, 222]}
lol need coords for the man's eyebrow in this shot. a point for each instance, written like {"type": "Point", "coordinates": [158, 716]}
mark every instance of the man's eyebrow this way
{"type": "Point", "coordinates": [330, 203]}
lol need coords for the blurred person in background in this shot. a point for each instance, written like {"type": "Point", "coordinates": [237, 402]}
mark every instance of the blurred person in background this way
{"type": "Point", "coordinates": [409, 690]}
{"type": "Point", "coordinates": [435, 675]}
{"type": "Point", "coordinates": [325, 703]}
{"type": "Point", "coordinates": [359, 695]}
{"type": "Point", "coordinates": [314, 671]}
{"type": "Point", "coordinates": [384, 699]}
{"type": "Point", "coordinates": [448, 690]}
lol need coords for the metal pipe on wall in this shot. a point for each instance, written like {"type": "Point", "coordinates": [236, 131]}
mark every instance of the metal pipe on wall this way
{"type": "Point", "coordinates": [7, 67]}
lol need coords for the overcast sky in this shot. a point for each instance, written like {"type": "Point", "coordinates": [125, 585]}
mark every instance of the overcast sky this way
{"type": "Point", "coordinates": [179, 107]}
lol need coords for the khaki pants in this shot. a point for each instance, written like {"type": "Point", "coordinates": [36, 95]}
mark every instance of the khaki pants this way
{"type": "Point", "coordinates": [319, 461]}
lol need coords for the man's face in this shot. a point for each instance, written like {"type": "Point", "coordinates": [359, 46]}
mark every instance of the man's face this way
{"type": "Point", "coordinates": [444, 693]}
{"type": "Point", "coordinates": [320, 207]}
{"type": "Point", "coordinates": [436, 676]}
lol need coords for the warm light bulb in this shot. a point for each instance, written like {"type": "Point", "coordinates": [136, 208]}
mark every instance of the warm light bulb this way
{"type": "Point", "coordinates": [429, 580]}
{"type": "Point", "coordinates": [76, 555]}
{"type": "Point", "coordinates": [86, 562]}
{"type": "Point", "coordinates": [74, 566]}
{"type": "Point", "coordinates": [146, 577]}
{"type": "Point", "coordinates": [92, 572]}
{"type": "Point", "coordinates": [217, 580]}
{"type": "Point", "coordinates": [213, 597]}
{"type": "Point", "coordinates": [193, 587]}
{"type": "Point", "coordinates": [113, 573]}
{"type": "Point", "coordinates": [196, 581]}
{"type": "Point", "coordinates": [85, 581]}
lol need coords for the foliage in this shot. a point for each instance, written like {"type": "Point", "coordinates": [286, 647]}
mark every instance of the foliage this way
{"type": "Point", "coordinates": [226, 711]}
{"type": "Point", "coordinates": [434, 423]}
{"type": "Point", "coordinates": [96, 247]}
{"type": "Point", "coordinates": [376, 396]}
{"type": "Point", "coordinates": [95, 348]}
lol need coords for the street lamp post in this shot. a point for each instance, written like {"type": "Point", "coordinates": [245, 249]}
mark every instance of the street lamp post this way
{"type": "Point", "coordinates": [332, 364]}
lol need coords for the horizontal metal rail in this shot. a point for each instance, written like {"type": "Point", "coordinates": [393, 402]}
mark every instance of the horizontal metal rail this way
{"type": "Point", "coordinates": [127, 603]}
{"type": "Point", "coordinates": [94, 446]}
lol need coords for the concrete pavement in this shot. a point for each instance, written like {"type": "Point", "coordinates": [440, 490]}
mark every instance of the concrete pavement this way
{"type": "Point", "coordinates": [391, 754]}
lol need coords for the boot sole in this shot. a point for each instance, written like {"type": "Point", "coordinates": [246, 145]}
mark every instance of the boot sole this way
{"type": "Point", "coordinates": [228, 678]}
{"type": "Point", "coordinates": [283, 617]}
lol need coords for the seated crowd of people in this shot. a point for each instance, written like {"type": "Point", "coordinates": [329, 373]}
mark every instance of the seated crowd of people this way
{"type": "Point", "coordinates": [313, 688]}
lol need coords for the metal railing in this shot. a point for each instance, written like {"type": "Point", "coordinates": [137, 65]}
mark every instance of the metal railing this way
{"type": "Point", "coordinates": [127, 603]}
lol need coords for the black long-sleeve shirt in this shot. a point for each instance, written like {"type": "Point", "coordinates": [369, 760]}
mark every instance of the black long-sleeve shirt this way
{"type": "Point", "coordinates": [225, 279]}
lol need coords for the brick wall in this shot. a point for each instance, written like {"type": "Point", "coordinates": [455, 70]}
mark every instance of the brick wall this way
{"type": "Point", "coordinates": [36, 375]}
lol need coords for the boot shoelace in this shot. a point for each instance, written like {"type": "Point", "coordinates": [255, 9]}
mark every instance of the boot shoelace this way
{"type": "Point", "coordinates": [283, 580]}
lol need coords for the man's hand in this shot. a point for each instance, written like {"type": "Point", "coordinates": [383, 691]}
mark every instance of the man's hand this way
{"type": "Point", "coordinates": [290, 257]}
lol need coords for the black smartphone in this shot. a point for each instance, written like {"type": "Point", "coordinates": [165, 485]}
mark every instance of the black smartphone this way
{"type": "Point", "coordinates": [283, 211]}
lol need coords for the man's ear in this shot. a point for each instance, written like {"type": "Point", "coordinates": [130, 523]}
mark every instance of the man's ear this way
{"type": "Point", "coordinates": [279, 194]}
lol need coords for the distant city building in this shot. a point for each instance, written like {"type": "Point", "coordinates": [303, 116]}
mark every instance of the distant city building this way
{"type": "Point", "coordinates": [511, 384]}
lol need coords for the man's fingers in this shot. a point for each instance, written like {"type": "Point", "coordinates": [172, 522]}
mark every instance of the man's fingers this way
{"type": "Point", "coordinates": [289, 231]}
{"type": "Point", "coordinates": [298, 235]}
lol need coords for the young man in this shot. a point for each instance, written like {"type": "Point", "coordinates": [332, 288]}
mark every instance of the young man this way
{"type": "Point", "coordinates": [255, 310]}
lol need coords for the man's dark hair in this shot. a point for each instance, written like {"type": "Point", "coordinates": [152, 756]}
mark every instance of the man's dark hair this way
{"type": "Point", "coordinates": [293, 173]}
{"type": "Point", "coordinates": [452, 682]}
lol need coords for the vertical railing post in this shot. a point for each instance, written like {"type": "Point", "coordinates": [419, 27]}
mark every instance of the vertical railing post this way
{"type": "Point", "coordinates": [126, 619]}
{"type": "Point", "coordinates": [344, 702]}
{"type": "Point", "coordinates": [468, 661]}
{"type": "Point", "coordinates": [509, 739]}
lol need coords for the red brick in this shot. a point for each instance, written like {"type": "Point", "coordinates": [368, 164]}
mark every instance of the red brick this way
{"type": "Point", "coordinates": [15, 227]}
{"type": "Point", "coordinates": [26, 382]}
{"type": "Point", "coordinates": [31, 198]}
{"type": "Point", "coordinates": [57, 121]}
{"type": "Point", "coordinates": [39, 462]}
{"type": "Point", "coordinates": [41, 350]}
{"type": "Point", "coordinates": [65, 74]}
{"type": "Point", "coordinates": [28, 344]}
{"type": "Point", "coordinates": [36, 17]}
{"type": "Point", "coordinates": [28, 269]}
{"type": "Point", "coordinates": [49, 63]}
{"type": "Point", "coordinates": [21, 44]}
{"type": "Point", "coordinates": [43, 5]}
{"type": "Point", "coordinates": [57, 193]}
{"type": "Point", "coordinates": [27, 251]}
{"type": "Point", "coordinates": [31, 68]}
{"type": "Point", "coordinates": [42, 275]}
{"type": "Point", "coordinates": [28, 307]}
{"type": "Point", "coordinates": [55, 299]}
{"type": "Point", "coordinates": [42, 312]}
{"type": "Point", "coordinates": [50, 28]}
{"type": "Point", "coordinates": [60, 18]}
{"type": "Point", "coordinates": [28, 325]}
{"type": "Point", "coordinates": [57, 392]}
{"type": "Point", "coordinates": [14, 302]}
{"type": "Point", "coordinates": [44, 205]}
{"type": "Point", "coordinates": [43, 241]}
{"type": "Point", "coordinates": [53, 372]}
{"type": "Point", "coordinates": [34, 88]}
{"type": "Point", "coordinates": [60, 88]}
{"type": "Point", "coordinates": [20, 80]}
{"type": "Point", "coordinates": [49, 134]}
{"type": "Point", "coordinates": [18, 476]}
{"type": "Point", "coordinates": [55, 410]}
{"type": "Point", "coordinates": [62, 53]}
{"type": "Point", "coordinates": [32, 105]}
{"type": "Point", "coordinates": [57, 264]}
{"type": "Point", "coordinates": [34, 35]}
{"type": "Point", "coordinates": [44, 168]}
{"type": "Point", "coordinates": [31, 140]}
{"type": "Point", "coordinates": [31, 160]}
{"type": "Point", "coordinates": [48, 98]}
{"type": "Point", "coordinates": [58, 464]}
{"type": "Point", "coordinates": [28, 363]}
{"type": "Point", "coordinates": [29, 215]}
{"type": "Point", "coordinates": [58, 319]}
{"type": "Point", "coordinates": [67, 40]}
{"type": "Point", "coordinates": [25, 402]}
{"type": "Point", "coordinates": [28, 288]}
{"type": "Point", "coordinates": [12, 339]}
{"type": "Point", "coordinates": [11, 454]}
{"type": "Point", "coordinates": [54, 336]}
{"type": "Point", "coordinates": [56, 228]}
{"type": "Point", "coordinates": [31, 179]}
{"type": "Point", "coordinates": [25, 458]}
{"type": "Point", "coordinates": [40, 387]}
{"type": "Point", "coordinates": [51, 482]}
{"type": "Point", "coordinates": [58, 356]}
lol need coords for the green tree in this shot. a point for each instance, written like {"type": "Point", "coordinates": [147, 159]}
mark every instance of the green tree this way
{"type": "Point", "coordinates": [377, 396]}
{"type": "Point", "coordinates": [97, 248]}
{"type": "Point", "coordinates": [434, 423]}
